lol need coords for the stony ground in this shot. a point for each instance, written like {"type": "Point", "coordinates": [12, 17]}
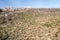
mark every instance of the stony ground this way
{"type": "Point", "coordinates": [29, 25]}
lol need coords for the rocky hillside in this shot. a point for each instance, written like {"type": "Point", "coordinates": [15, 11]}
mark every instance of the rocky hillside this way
{"type": "Point", "coordinates": [30, 24]}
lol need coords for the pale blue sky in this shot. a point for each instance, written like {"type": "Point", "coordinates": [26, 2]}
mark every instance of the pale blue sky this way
{"type": "Point", "coordinates": [32, 3]}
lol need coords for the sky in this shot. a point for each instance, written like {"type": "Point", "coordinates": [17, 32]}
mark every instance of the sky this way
{"type": "Point", "coordinates": [31, 3]}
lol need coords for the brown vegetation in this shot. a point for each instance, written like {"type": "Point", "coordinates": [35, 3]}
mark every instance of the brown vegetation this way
{"type": "Point", "coordinates": [31, 24]}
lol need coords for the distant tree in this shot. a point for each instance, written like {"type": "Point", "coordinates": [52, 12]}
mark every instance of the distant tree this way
{"type": "Point", "coordinates": [1, 10]}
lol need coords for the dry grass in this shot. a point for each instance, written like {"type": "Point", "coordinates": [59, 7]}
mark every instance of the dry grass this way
{"type": "Point", "coordinates": [30, 26]}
